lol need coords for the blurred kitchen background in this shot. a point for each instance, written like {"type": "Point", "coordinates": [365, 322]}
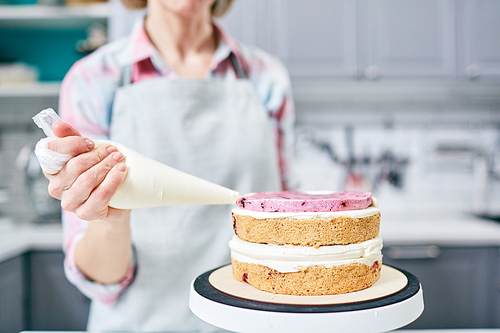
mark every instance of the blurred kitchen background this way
{"type": "Point", "coordinates": [397, 97]}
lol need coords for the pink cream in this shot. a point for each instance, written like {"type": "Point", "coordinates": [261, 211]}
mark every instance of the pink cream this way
{"type": "Point", "coordinates": [294, 201]}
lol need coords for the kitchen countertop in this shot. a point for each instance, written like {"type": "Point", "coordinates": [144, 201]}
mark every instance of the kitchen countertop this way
{"type": "Point", "coordinates": [16, 240]}
{"type": "Point", "coordinates": [477, 330]}
{"type": "Point", "coordinates": [459, 231]}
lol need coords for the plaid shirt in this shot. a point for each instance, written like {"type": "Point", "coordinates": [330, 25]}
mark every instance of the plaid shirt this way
{"type": "Point", "coordinates": [86, 101]}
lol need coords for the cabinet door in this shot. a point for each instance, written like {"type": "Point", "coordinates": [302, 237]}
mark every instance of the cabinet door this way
{"type": "Point", "coordinates": [478, 24]}
{"type": "Point", "coordinates": [407, 38]}
{"type": "Point", "coordinates": [459, 284]}
{"type": "Point", "coordinates": [12, 297]}
{"type": "Point", "coordinates": [496, 290]}
{"type": "Point", "coordinates": [55, 304]}
{"type": "Point", "coordinates": [314, 38]}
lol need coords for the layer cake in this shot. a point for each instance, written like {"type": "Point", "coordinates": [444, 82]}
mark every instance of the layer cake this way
{"type": "Point", "coordinates": [299, 243]}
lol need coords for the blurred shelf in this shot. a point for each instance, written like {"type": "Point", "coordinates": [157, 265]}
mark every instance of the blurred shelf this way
{"type": "Point", "coordinates": [69, 12]}
{"type": "Point", "coordinates": [40, 89]}
{"type": "Point", "coordinates": [16, 16]}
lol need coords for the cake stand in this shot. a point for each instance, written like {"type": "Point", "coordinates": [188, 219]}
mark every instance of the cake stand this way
{"type": "Point", "coordinates": [394, 301]}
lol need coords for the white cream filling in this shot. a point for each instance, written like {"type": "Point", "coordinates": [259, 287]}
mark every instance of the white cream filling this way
{"type": "Point", "coordinates": [355, 214]}
{"type": "Point", "coordinates": [290, 258]}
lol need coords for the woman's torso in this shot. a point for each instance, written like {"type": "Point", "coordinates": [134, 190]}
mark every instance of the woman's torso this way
{"type": "Point", "coordinates": [218, 130]}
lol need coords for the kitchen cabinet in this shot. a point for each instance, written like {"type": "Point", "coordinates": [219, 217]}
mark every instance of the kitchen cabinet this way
{"type": "Point", "coordinates": [55, 304]}
{"type": "Point", "coordinates": [12, 295]}
{"type": "Point", "coordinates": [406, 38]}
{"type": "Point", "coordinates": [35, 295]}
{"type": "Point", "coordinates": [314, 38]}
{"type": "Point", "coordinates": [496, 289]}
{"type": "Point", "coordinates": [460, 284]}
{"type": "Point", "coordinates": [478, 39]}
{"type": "Point", "coordinates": [374, 38]}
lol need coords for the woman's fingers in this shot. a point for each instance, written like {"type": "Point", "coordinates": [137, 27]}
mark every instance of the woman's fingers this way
{"type": "Point", "coordinates": [96, 206]}
{"type": "Point", "coordinates": [62, 130]}
{"type": "Point", "coordinates": [75, 167]}
{"type": "Point", "coordinates": [71, 142]}
{"type": "Point", "coordinates": [88, 181]}
{"type": "Point", "coordinates": [71, 145]}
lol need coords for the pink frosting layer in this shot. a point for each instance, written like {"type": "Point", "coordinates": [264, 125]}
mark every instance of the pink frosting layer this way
{"type": "Point", "coordinates": [294, 201]}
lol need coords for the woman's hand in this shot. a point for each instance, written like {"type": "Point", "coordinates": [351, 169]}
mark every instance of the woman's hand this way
{"type": "Point", "coordinates": [87, 182]}
{"type": "Point", "coordinates": [85, 186]}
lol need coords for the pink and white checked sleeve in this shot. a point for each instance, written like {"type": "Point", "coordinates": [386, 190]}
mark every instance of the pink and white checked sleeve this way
{"type": "Point", "coordinates": [81, 105]}
{"type": "Point", "coordinates": [106, 294]}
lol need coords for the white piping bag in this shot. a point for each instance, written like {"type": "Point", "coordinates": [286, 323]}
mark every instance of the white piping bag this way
{"type": "Point", "coordinates": [50, 161]}
{"type": "Point", "coordinates": [149, 183]}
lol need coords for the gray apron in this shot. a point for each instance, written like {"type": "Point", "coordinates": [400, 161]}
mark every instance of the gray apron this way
{"type": "Point", "coordinates": [214, 129]}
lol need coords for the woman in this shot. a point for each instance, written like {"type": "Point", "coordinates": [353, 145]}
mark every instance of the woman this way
{"type": "Point", "coordinates": [181, 91]}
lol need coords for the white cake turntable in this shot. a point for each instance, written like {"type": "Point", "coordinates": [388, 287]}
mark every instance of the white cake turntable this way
{"type": "Point", "coordinates": [394, 301]}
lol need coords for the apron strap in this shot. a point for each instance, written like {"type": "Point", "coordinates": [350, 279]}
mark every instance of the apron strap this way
{"type": "Point", "coordinates": [240, 73]}
{"type": "Point", "coordinates": [125, 76]}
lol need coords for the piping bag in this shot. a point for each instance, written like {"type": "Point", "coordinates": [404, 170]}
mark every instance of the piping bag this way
{"type": "Point", "coordinates": [149, 183]}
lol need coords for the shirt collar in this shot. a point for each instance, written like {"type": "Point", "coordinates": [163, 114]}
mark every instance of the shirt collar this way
{"type": "Point", "coordinates": [139, 47]}
{"type": "Point", "coordinates": [223, 48]}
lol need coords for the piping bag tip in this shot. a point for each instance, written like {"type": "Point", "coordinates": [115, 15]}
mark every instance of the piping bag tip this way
{"type": "Point", "coordinates": [235, 195]}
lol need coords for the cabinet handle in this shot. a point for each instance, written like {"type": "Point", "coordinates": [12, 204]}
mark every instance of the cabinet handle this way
{"type": "Point", "coordinates": [413, 252]}
{"type": "Point", "coordinates": [472, 71]}
{"type": "Point", "coordinates": [372, 72]}
{"type": "Point", "coordinates": [357, 72]}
